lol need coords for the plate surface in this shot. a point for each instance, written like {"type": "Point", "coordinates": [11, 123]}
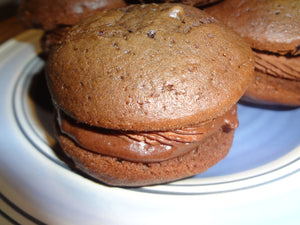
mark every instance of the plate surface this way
{"type": "Point", "coordinates": [258, 182]}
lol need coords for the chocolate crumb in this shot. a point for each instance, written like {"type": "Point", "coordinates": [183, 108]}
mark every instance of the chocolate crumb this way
{"type": "Point", "coordinates": [151, 33]}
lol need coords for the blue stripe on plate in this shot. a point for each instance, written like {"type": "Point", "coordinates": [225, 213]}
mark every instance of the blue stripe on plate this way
{"type": "Point", "coordinates": [19, 211]}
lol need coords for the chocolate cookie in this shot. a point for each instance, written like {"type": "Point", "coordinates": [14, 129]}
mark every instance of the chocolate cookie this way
{"type": "Point", "coordinates": [272, 28]}
{"type": "Point", "coordinates": [50, 14]}
{"type": "Point", "coordinates": [56, 16]}
{"type": "Point", "coordinates": [148, 86]}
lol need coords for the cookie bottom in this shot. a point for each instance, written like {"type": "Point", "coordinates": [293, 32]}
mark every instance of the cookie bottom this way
{"type": "Point", "coordinates": [269, 90]}
{"type": "Point", "coordinates": [117, 172]}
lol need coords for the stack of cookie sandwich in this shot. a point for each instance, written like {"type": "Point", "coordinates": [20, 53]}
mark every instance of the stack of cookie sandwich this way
{"type": "Point", "coordinates": [146, 94]}
{"type": "Point", "coordinates": [272, 28]}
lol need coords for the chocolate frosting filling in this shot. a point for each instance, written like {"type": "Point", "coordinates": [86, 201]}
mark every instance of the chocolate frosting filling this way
{"type": "Point", "coordinates": [144, 146]}
{"type": "Point", "coordinates": [281, 66]}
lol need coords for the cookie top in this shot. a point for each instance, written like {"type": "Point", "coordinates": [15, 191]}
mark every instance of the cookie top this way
{"type": "Point", "coordinates": [149, 67]}
{"type": "Point", "coordinates": [49, 14]}
{"type": "Point", "coordinates": [197, 3]}
{"type": "Point", "coordinates": [267, 25]}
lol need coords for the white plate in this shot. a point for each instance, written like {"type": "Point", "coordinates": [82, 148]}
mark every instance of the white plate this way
{"type": "Point", "coordinates": [257, 183]}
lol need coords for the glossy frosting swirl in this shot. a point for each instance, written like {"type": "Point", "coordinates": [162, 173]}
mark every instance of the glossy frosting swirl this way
{"type": "Point", "coordinates": [144, 146]}
{"type": "Point", "coordinates": [281, 66]}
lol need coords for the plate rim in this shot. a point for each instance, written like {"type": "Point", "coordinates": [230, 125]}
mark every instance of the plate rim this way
{"type": "Point", "coordinates": [127, 193]}
{"type": "Point", "coordinates": [231, 179]}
